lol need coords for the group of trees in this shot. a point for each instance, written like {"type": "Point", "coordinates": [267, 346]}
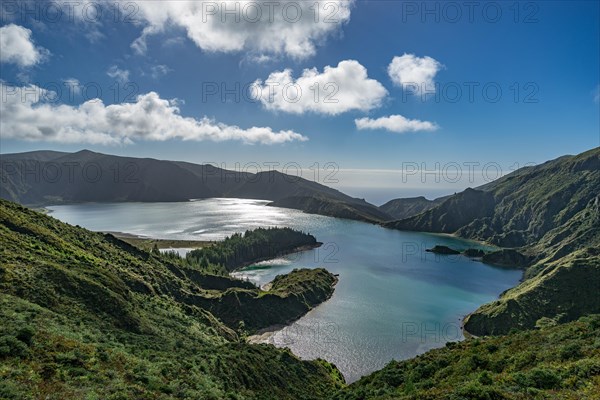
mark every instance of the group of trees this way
{"type": "Point", "coordinates": [252, 246]}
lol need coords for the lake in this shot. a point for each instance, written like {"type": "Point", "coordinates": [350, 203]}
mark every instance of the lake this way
{"type": "Point", "coordinates": [393, 300]}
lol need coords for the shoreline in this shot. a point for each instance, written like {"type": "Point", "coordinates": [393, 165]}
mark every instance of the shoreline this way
{"type": "Point", "coordinates": [262, 335]}
{"type": "Point", "coordinates": [265, 333]}
{"type": "Point", "coordinates": [297, 249]}
{"type": "Point", "coordinates": [147, 243]}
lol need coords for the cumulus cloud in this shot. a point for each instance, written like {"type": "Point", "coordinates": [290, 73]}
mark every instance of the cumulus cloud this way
{"type": "Point", "coordinates": [395, 123]}
{"type": "Point", "coordinates": [414, 73]}
{"type": "Point", "coordinates": [18, 47]}
{"type": "Point", "coordinates": [287, 27]}
{"type": "Point", "coordinates": [334, 91]}
{"type": "Point", "coordinates": [121, 75]}
{"type": "Point", "coordinates": [31, 113]}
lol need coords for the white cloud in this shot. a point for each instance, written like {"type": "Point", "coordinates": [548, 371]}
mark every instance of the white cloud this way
{"type": "Point", "coordinates": [158, 71]}
{"type": "Point", "coordinates": [289, 27]}
{"type": "Point", "coordinates": [414, 73]}
{"type": "Point", "coordinates": [121, 75]}
{"type": "Point", "coordinates": [395, 123]}
{"type": "Point", "coordinates": [17, 47]}
{"type": "Point", "coordinates": [334, 91]}
{"type": "Point", "coordinates": [30, 114]}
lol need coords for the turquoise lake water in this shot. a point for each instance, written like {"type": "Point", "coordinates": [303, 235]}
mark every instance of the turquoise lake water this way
{"type": "Point", "coordinates": [393, 300]}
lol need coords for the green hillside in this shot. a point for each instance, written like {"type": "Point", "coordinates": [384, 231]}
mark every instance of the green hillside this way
{"type": "Point", "coordinates": [558, 363]}
{"type": "Point", "coordinates": [519, 208]}
{"type": "Point", "coordinates": [550, 213]}
{"type": "Point", "coordinates": [85, 315]}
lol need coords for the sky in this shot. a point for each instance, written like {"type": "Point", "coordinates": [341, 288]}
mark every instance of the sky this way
{"type": "Point", "coordinates": [380, 99]}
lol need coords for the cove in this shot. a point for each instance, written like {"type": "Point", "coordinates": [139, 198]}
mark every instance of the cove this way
{"type": "Point", "coordinates": [393, 300]}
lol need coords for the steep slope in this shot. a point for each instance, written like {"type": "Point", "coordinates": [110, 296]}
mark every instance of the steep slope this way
{"type": "Point", "coordinates": [41, 178]}
{"type": "Point", "coordinates": [519, 208]}
{"type": "Point", "coordinates": [562, 285]}
{"type": "Point", "coordinates": [452, 214]}
{"type": "Point", "coordinates": [550, 212]}
{"type": "Point", "coordinates": [274, 185]}
{"type": "Point", "coordinates": [565, 290]}
{"type": "Point", "coordinates": [528, 204]}
{"type": "Point", "coordinates": [560, 362]}
{"type": "Point", "coordinates": [85, 315]}
{"type": "Point", "coordinates": [408, 207]}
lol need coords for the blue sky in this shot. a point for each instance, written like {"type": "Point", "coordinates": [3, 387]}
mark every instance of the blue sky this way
{"type": "Point", "coordinates": [543, 56]}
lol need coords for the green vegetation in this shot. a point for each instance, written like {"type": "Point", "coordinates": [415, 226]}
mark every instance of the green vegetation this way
{"type": "Point", "coordinates": [452, 214]}
{"type": "Point", "coordinates": [85, 315]}
{"type": "Point", "coordinates": [555, 362]}
{"type": "Point", "coordinates": [506, 258]}
{"type": "Point", "coordinates": [565, 290]}
{"type": "Point", "coordinates": [550, 216]}
{"type": "Point", "coordinates": [289, 297]}
{"type": "Point", "coordinates": [254, 246]}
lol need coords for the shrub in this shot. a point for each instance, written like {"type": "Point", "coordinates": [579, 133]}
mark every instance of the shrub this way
{"type": "Point", "coordinates": [585, 368]}
{"type": "Point", "coordinates": [10, 346]}
{"type": "Point", "coordinates": [570, 351]}
{"type": "Point", "coordinates": [539, 378]}
{"type": "Point", "coordinates": [25, 335]}
{"type": "Point", "coordinates": [485, 378]}
{"type": "Point", "coordinates": [474, 391]}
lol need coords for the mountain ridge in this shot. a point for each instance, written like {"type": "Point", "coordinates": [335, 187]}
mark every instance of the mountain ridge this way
{"type": "Point", "coordinates": [43, 178]}
{"type": "Point", "coordinates": [549, 212]}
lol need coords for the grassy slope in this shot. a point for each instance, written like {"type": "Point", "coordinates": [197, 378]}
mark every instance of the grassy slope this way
{"type": "Point", "coordinates": [533, 201]}
{"type": "Point", "coordinates": [567, 289]}
{"type": "Point", "coordinates": [562, 284]}
{"type": "Point", "coordinates": [561, 362]}
{"type": "Point", "coordinates": [551, 212]}
{"type": "Point", "coordinates": [520, 208]}
{"type": "Point", "coordinates": [86, 315]}
{"type": "Point", "coordinates": [452, 214]}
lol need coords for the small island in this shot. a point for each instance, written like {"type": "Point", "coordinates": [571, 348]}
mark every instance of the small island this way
{"type": "Point", "coordinates": [438, 249]}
